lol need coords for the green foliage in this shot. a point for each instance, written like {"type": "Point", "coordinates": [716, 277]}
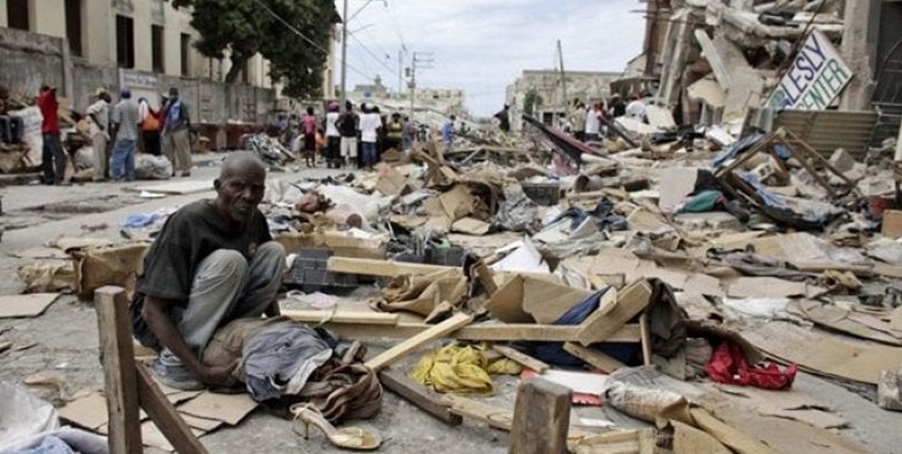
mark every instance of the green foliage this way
{"type": "Point", "coordinates": [245, 28]}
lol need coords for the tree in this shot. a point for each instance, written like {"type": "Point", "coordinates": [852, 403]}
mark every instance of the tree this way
{"type": "Point", "coordinates": [245, 28]}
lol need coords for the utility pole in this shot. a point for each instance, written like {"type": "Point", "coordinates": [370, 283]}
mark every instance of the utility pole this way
{"type": "Point", "coordinates": [344, 57]}
{"type": "Point", "coordinates": [560, 54]}
{"type": "Point", "coordinates": [425, 60]}
{"type": "Point", "coordinates": [400, 72]}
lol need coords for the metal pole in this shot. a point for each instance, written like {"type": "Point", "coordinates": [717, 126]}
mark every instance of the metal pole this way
{"type": "Point", "coordinates": [413, 82]}
{"type": "Point", "coordinates": [400, 72]}
{"type": "Point", "coordinates": [344, 57]}
{"type": "Point", "coordinates": [563, 78]}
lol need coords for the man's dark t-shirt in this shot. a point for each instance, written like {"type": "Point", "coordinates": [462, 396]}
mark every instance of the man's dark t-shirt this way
{"type": "Point", "coordinates": [347, 124]}
{"type": "Point", "coordinates": [188, 236]}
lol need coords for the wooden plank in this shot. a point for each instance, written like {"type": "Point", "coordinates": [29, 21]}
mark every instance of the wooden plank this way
{"type": "Point", "coordinates": [595, 358]}
{"type": "Point", "coordinates": [117, 357]}
{"type": "Point", "coordinates": [419, 395]}
{"type": "Point", "coordinates": [341, 316]}
{"type": "Point", "coordinates": [522, 358]}
{"type": "Point", "coordinates": [733, 438]}
{"type": "Point", "coordinates": [383, 268]}
{"type": "Point", "coordinates": [484, 331]}
{"type": "Point", "coordinates": [165, 416]}
{"type": "Point", "coordinates": [419, 340]}
{"type": "Point", "coordinates": [606, 320]}
{"type": "Point", "coordinates": [541, 418]}
{"type": "Point", "coordinates": [647, 441]}
{"type": "Point", "coordinates": [645, 336]}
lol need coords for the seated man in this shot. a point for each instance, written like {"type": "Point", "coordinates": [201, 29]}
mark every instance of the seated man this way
{"type": "Point", "coordinates": [213, 262]}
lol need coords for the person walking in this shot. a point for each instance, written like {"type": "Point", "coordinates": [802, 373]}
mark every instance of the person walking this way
{"type": "Point", "coordinates": [395, 132]}
{"type": "Point", "coordinates": [176, 142]}
{"type": "Point", "coordinates": [99, 124]}
{"type": "Point", "coordinates": [333, 137]}
{"type": "Point", "coordinates": [348, 125]}
{"type": "Point", "coordinates": [410, 134]}
{"type": "Point", "coordinates": [308, 125]}
{"type": "Point", "coordinates": [448, 133]}
{"type": "Point", "coordinates": [504, 121]}
{"type": "Point", "coordinates": [125, 131]}
{"type": "Point", "coordinates": [53, 158]}
{"type": "Point", "coordinates": [150, 127]}
{"type": "Point", "coordinates": [578, 120]}
{"type": "Point", "coordinates": [593, 124]}
{"type": "Point", "coordinates": [370, 123]}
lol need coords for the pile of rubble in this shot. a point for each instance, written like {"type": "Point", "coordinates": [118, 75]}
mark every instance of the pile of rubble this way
{"type": "Point", "coordinates": [686, 269]}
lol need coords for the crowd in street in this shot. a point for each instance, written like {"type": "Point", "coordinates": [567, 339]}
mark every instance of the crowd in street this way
{"type": "Point", "coordinates": [349, 137]}
{"type": "Point", "coordinates": [588, 122]}
{"type": "Point", "coordinates": [118, 132]}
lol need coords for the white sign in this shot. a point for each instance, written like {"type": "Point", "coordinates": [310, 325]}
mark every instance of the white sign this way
{"type": "Point", "coordinates": [816, 77]}
{"type": "Point", "coordinates": [142, 85]}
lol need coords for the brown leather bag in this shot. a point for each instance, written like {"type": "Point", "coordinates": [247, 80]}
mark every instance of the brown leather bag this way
{"type": "Point", "coordinates": [344, 391]}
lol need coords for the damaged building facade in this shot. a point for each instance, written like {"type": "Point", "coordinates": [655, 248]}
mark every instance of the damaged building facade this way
{"type": "Point", "coordinates": [715, 61]}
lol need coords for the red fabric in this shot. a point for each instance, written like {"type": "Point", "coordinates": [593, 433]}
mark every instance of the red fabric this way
{"type": "Point", "coordinates": [309, 125]}
{"type": "Point", "coordinates": [49, 111]}
{"type": "Point", "coordinates": [729, 365]}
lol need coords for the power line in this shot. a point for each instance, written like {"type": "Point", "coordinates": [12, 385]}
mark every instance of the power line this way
{"type": "Point", "coordinates": [368, 51]}
{"type": "Point", "coordinates": [304, 37]}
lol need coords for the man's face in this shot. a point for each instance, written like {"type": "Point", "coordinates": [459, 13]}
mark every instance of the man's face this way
{"type": "Point", "coordinates": [240, 193]}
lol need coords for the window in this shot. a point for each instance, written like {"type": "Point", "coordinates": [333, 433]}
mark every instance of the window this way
{"type": "Point", "coordinates": [17, 14]}
{"type": "Point", "coordinates": [125, 41]}
{"type": "Point", "coordinates": [156, 48]}
{"type": "Point", "coordinates": [73, 26]}
{"type": "Point", "coordinates": [186, 55]}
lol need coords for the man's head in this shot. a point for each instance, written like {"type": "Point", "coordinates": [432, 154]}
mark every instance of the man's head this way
{"type": "Point", "coordinates": [45, 88]}
{"type": "Point", "coordinates": [309, 110]}
{"type": "Point", "coordinates": [240, 186]}
{"type": "Point", "coordinates": [453, 118]}
{"type": "Point", "coordinates": [349, 107]}
{"type": "Point", "coordinates": [125, 93]}
{"type": "Point", "coordinates": [173, 92]}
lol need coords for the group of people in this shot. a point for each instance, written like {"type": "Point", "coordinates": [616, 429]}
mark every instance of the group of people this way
{"type": "Point", "coordinates": [115, 131]}
{"type": "Point", "coordinates": [587, 123]}
{"type": "Point", "coordinates": [351, 138]}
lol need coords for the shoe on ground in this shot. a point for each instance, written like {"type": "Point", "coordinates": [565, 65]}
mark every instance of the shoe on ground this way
{"type": "Point", "coordinates": [176, 377]}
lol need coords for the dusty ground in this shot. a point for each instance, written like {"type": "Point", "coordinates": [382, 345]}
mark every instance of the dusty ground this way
{"type": "Point", "coordinates": [63, 341]}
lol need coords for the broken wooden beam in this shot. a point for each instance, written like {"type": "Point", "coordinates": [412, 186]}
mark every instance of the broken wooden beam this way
{"type": "Point", "coordinates": [541, 418]}
{"type": "Point", "coordinates": [419, 340]}
{"type": "Point", "coordinates": [117, 357]}
{"type": "Point", "coordinates": [522, 358]}
{"type": "Point", "coordinates": [417, 394]}
{"type": "Point", "coordinates": [594, 358]}
{"type": "Point", "coordinates": [382, 268]}
{"type": "Point", "coordinates": [613, 315]}
{"type": "Point", "coordinates": [165, 416]}
{"type": "Point", "coordinates": [479, 332]}
{"type": "Point", "coordinates": [342, 316]}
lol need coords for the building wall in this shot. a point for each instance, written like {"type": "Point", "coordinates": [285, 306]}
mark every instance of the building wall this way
{"type": "Point", "coordinates": [588, 86]}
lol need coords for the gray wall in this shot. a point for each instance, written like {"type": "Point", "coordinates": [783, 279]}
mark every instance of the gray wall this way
{"type": "Point", "coordinates": [28, 60]}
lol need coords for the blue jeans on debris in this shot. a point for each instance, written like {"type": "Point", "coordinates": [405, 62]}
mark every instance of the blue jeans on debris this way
{"type": "Point", "coordinates": [369, 153]}
{"type": "Point", "coordinates": [123, 160]}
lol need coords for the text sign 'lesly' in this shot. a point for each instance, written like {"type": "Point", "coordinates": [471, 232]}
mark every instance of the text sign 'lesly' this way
{"type": "Point", "coordinates": [815, 79]}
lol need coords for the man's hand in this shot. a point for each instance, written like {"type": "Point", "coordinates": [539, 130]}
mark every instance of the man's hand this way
{"type": "Point", "coordinates": [219, 376]}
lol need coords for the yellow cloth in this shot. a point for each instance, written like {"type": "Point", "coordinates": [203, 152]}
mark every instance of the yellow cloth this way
{"type": "Point", "coordinates": [461, 369]}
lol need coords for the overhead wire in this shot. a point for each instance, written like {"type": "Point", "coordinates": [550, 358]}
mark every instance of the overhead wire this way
{"type": "Point", "coordinates": [371, 54]}
{"type": "Point", "coordinates": [305, 38]}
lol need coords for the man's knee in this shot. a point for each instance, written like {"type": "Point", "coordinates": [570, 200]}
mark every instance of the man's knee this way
{"type": "Point", "coordinates": [226, 263]}
{"type": "Point", "coordinates": [271, 251]}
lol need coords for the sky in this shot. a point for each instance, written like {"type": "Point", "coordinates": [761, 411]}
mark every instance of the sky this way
{"type": "Point", "coordinates": [482, 46]}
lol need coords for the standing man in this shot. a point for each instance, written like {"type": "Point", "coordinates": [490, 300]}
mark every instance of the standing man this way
{"type": "Point", "coordinates": [394, 132]}
{"type": "Point", "coordinates": [176, 142]}
{"type": "Point", "coordinates": [53, 159]}
{"type": "Point", "coordinates": [410, 134]}
{"type": "Point", "coordinates": [333, 137]}
{"type": "Point", "coordinates": [503, 117]}
{"type": "Point", "coordinates": [99, 114]}
{"type": "Point", "coordinates": [348, 126]}
{"type": "Point", "coordinates": [593, 124]}
{"type": "Point", "coordinates": [308, 126]}
{"type": "Point", "coordinates": [370, 124]}
{"type": "Point", "coordinates": [214, 261]}
{"type": "Point", "coordinates": [578, 120]}
{"type": "Point", "coordinates": [448, 133]}
{"type": "Point", "coordinates": [125, 131]}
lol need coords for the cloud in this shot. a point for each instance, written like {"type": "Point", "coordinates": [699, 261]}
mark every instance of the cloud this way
{"type": "Point", "coordinates": [481, 46]}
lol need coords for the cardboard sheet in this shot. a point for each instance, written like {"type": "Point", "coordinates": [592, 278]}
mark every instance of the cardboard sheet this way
{"type": "Point", "coordinates": [228, 408]}
{"type": "Point", "coordinates": [789, 404]}
{"type": "Point", "coordinates": [88, 411]}
{"type": "Point", "coordinates": [825, 354]}
{"type": "Point", "coordinates": [176, 187]}
{"type": "Point", "coordinates": [865, 326]}
{"type": "Point", "coordinates": [770, 287]}
{"type": "Point", "coordinates": [31, 305]}
{"type": "Point", "coordinates": [470, 226]}
{"type": "Point", "coordinates": [527, 299]}
{"type": "Point", "coordinates": [41, 253]}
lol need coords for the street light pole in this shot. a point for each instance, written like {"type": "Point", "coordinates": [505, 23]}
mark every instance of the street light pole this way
{"type": "Point", "coordinates": [344, 57]}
